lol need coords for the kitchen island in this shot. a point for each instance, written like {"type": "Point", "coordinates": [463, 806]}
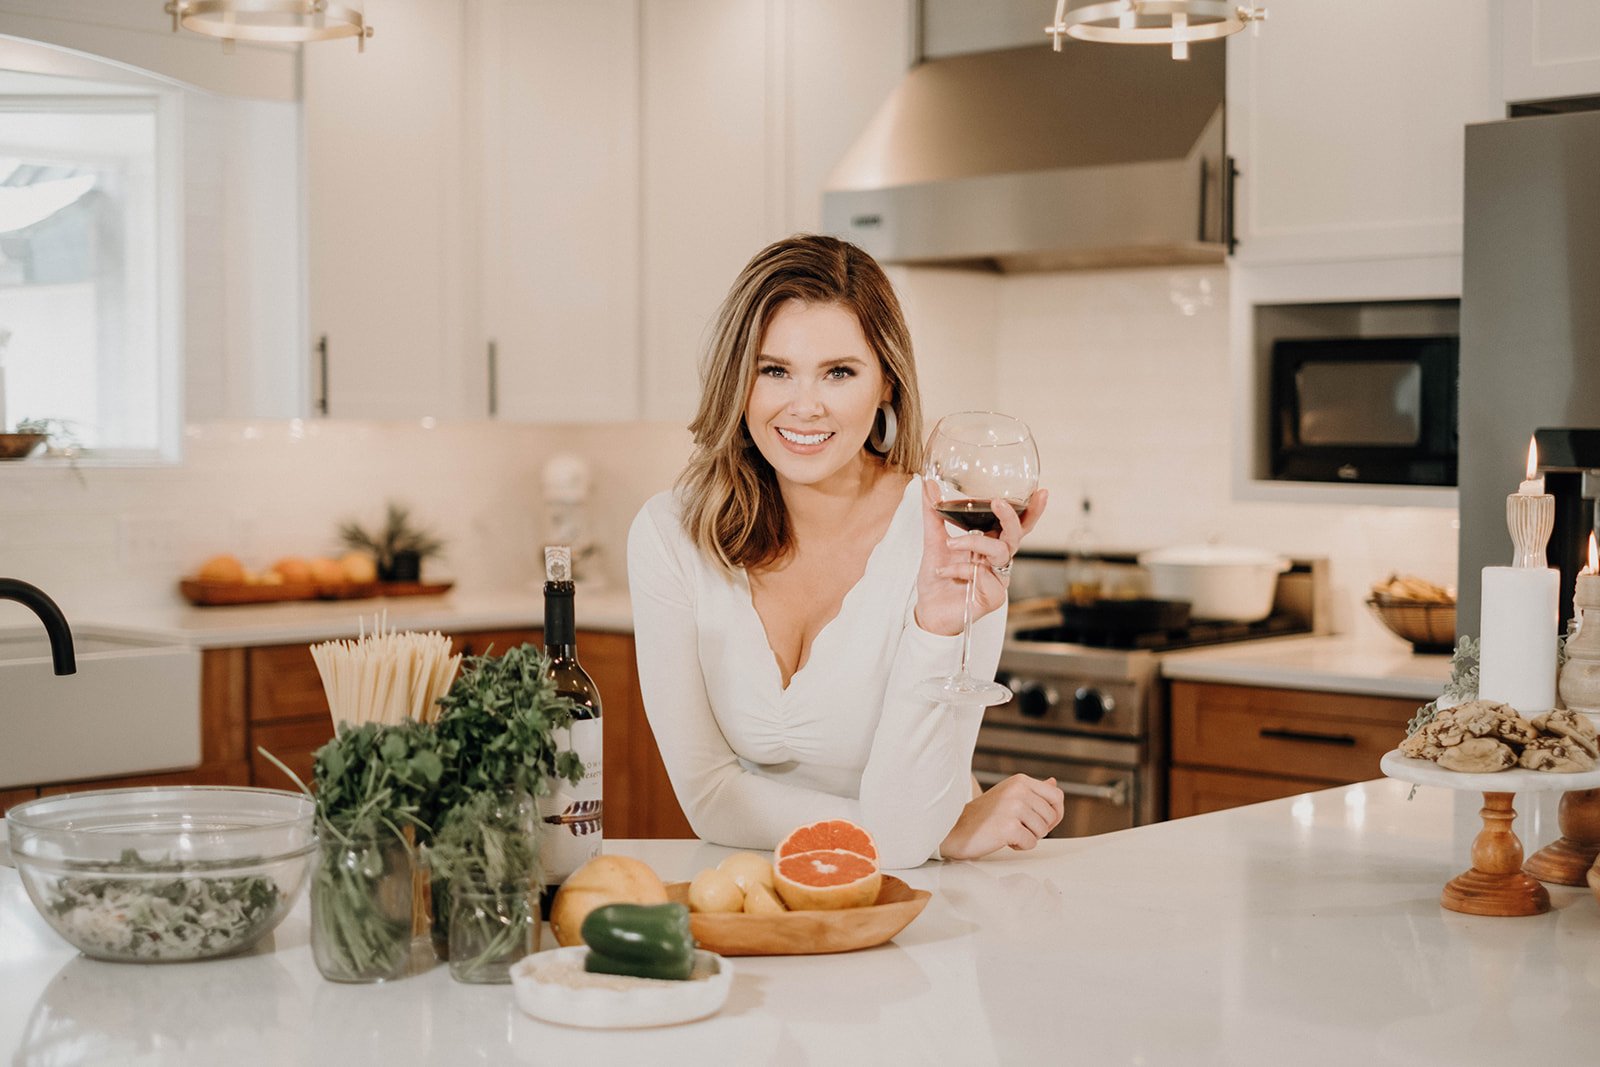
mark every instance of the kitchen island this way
{"type": "Point", "coordinates": [1304, 930]}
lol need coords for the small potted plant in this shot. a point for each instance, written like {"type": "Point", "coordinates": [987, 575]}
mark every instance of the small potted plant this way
{"type": "Point", "coordinates": [398, 548]}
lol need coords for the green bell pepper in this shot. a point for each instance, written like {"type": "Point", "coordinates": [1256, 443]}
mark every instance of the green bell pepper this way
{"type": "Point", "coordinates": [640, 940]}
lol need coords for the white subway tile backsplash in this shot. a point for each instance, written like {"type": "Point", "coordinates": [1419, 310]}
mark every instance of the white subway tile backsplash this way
{"type": "Point", "coordinates": [262, 490]}
{"type": "Point", "coordinates": [1123, 376]}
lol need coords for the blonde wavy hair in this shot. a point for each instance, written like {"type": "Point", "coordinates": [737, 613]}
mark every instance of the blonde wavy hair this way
{"type": "Point", "coordinates": [732, 508]}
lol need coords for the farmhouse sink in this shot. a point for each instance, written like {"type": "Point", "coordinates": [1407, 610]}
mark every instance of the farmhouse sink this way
{"type": "Point", "coordinates": [133, 707]}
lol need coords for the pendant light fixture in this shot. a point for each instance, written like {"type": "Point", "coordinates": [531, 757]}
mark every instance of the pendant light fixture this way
{"type": "Point", "coordinates": [1169, 22]}
{"type": "Point", "coordinates": [272, 21]}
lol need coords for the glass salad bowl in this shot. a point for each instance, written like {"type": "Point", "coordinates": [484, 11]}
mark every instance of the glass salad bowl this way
{"type": "Point", "coordinates": [167, 873]}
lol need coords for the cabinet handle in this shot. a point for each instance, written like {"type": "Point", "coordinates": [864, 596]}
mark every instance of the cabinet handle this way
{"type": "Point", "coordinates": [1275, 734]}
{"type": "Point", "coordinates": [494, 379]}
{"type": "Point", "coordinates": [1205, 186]}
{"type": "Point", "coordinates": [322, 375]}
{"type": "Point", "coordinates": [1230, 186]}
{"type": "Point", "coordinates": [1115, 794]}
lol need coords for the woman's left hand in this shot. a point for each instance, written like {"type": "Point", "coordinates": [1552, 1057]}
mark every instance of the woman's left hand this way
{"type": "Point", "coordinates": [947, 562]}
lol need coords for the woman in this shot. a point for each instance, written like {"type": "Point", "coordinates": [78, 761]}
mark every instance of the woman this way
{"type": "Point", "coordinates": [797, 585]}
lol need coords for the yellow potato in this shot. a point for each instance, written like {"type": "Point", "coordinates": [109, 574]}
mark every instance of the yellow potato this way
{"type": "Point", "coordinates": [715, 890]}
{"type": "Point", "coordinates": [748, 869]}
{"type": "Point", "coordinates": [761, 900]}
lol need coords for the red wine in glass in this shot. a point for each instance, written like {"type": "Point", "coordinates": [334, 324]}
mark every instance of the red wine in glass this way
{"type": "Point", "coordinates": [975, 458]}
{"type": "Point", "coordinates": [977, 514]}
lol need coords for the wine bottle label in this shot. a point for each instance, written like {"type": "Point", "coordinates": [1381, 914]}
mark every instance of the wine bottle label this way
{"type": "Point", "coordinates": [571, 812]}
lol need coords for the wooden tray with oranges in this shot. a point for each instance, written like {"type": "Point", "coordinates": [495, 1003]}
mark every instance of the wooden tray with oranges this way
{"type": "Point", "coordinates": [204, 594]}
{"type": "Point", "coordinates": [800, 933]}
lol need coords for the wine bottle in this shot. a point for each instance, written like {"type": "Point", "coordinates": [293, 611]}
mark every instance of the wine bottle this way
{"type": "Point", "coordinates": [571, 812]}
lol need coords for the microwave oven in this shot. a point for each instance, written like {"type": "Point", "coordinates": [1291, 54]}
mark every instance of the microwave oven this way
{"type": "Point", "coordinates": [1374, 410]}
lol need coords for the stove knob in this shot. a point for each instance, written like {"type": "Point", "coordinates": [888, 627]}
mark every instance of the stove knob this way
{"type": "Point", "coordinates": [1091, 706]}
{"type": "Point", "coordinates": [1034, 701]}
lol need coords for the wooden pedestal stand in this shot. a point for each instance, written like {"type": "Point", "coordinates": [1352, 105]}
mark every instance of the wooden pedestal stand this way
{"type": "Point", "coordinates": [1568, 859]}
{"type": "Point", "coordinates": [1496, 884]}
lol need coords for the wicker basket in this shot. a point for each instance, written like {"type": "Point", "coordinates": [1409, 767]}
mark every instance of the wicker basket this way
{"type": "Point", "coordinates": [1429, 625]}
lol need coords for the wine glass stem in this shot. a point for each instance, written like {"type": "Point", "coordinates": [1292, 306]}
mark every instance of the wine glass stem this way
{"type": "Point", "coordinates": [966, 619]}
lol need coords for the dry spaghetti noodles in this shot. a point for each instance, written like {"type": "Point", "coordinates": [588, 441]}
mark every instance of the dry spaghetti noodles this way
{"type": "Point", "coordinates": [385, 677]}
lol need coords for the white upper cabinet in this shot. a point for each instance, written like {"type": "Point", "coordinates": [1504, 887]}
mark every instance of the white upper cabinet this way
{"type": "Point", "coordinates": [556, 86]}
{"type": "Point", "coordinates": [747, 106]}
{"type": "Point", "coordinates": [573, 183]}
{"type": "Point", "coordinates": [386, 216]}
{"type": "Point", "coordinates": [1549, 49]}
{"type": "Point", "coordinates": [712, 92]}
{"type": "Point", "coordinates": [1346, 123]}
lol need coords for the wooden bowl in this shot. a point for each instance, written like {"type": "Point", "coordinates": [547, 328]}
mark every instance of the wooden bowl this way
{"type": "Point", "coordinates": [804, 933]}
{"type": "Point", "coordinates": [20, 445]}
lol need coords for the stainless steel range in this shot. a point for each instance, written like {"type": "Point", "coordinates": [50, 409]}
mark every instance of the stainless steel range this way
{"type": "Point", "coordinates": [1093, 716]}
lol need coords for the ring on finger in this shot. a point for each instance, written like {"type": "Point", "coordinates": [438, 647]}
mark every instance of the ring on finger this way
{"type": "Point", "coordinates": [1004, 570]}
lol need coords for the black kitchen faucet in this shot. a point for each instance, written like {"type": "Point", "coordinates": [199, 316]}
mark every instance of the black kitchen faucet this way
{"type": "Point", "coordinates": [55, 623]}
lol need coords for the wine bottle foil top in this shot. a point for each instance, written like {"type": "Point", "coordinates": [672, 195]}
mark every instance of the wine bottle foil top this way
{"type": "Point", "coordinates": [558, 563]}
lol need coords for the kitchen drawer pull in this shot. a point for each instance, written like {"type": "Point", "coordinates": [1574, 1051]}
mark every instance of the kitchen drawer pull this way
{"type": "Point", "coordinates": [1115, 794]}
{"type": "Point", "coordinates": [1275, 734]}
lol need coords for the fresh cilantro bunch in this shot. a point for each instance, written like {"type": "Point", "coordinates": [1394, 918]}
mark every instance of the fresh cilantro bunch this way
{"type": "Point", "coordinates": [375, 777]}
{"type": "Point", "coordinates": [497, 729]}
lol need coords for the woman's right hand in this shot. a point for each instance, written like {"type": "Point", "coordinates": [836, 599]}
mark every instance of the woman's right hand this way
{"type": "Point", "coordinates": [1014, 813]}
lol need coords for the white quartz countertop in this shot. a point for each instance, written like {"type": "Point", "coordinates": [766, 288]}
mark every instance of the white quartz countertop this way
{"type": "Point", "coordinates": [1304, 931]}
{"type": "Point", "coordinates": [292, 622]}
{"type": "Point", "coordinates": [1329, 664]}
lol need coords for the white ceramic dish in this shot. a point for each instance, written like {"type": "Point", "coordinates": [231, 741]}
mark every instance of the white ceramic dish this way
{"type": "Point", "coordinates": [1218, 581]}
{"type": "Point", "coordinates": [646, 1003]}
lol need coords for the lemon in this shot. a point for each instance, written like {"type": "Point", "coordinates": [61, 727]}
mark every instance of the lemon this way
{"type": "Point", "coordinates": [713, 890]}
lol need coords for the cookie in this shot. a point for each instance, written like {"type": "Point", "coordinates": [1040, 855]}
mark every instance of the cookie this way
{"type": "Point", "coordinates": [1478, 755]}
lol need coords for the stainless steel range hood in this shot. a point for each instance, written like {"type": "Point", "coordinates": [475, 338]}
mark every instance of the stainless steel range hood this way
{"type": "Point", "coordinates": [1027, 159]}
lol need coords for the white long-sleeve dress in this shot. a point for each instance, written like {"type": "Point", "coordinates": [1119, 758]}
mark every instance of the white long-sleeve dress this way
{"type": "Point", "coordinates": [751, 759]}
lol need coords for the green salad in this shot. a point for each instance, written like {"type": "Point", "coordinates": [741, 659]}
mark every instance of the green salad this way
{"type": "Point", "coordinates": [143, 917]}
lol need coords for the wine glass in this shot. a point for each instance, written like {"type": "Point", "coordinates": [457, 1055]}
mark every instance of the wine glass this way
{"type": "Point", "coordinates": [975, 458]}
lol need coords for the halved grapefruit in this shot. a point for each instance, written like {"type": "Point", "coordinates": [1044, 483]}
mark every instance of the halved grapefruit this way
{"type": "Point", "coordinates": [830, 833]}
{"type": "Point", "coordinates": [827, 879]}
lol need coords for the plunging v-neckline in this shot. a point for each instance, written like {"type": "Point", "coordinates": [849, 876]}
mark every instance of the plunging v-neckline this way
{"type": "Point", "coordinates": [809, 654]}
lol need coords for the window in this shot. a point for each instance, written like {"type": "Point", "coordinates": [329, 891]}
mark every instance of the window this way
{"type": "Point", "coordinates": [88, 265]}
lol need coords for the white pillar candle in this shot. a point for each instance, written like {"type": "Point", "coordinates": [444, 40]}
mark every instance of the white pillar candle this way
{"type": "Point", "coordinates": [1519, 619]}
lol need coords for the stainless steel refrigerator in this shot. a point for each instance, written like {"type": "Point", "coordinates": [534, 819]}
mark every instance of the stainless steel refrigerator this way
{"type": "Point", "coordinates": [1530, 314]}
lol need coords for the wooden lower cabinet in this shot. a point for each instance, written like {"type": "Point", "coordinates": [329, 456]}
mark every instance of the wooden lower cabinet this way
{"type": "Point", "coordinates": [270, 698]}
{"type": "Point", "coordinates": [288, 716]}
{"type": "Point", "coordinates": [10, 798]}
{"type": "Point", "coordinates": [1193, 791]}
{"type": "Point", "coordinates": [1235, 744]}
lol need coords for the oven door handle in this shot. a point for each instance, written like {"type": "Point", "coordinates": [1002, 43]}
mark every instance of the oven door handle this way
{"type": "Point", "coordinates": [1115, 794]}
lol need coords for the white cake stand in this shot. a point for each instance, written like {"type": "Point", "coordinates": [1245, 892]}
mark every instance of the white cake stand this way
{"type": "Point", "coordinates": [1496, 884]}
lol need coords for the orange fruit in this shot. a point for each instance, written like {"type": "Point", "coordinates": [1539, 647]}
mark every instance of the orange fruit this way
{"type": "Point", "coordinates": [295, 570]}
{"type": "Point", "coordinates": [831, 833]}
{"type": "Point", "coordinates": [223, 568]}
{"type": "Point", "coordinates": [326, 572]}
{"type": "Point", "coordinates": [827, 879]}
{"type": "Point", "coordinates": [358, 567]}
{"type": "Point", "coordinates": [603, 880]}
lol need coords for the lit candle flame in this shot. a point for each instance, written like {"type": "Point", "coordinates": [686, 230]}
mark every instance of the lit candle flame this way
{"type": "Point", "coordinates": [1594, 557]}
{"type": "Point", "coordinates": [1533, 458]}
